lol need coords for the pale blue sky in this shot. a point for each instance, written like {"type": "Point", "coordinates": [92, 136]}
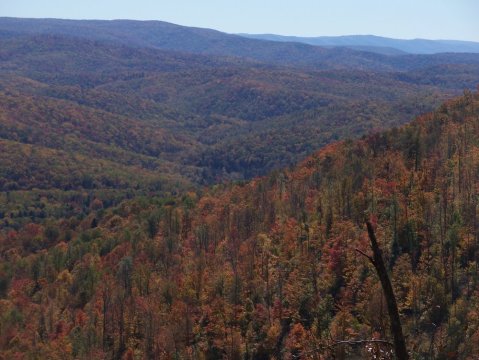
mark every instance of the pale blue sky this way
{"type": "Point", "coordinates": [432, 19]}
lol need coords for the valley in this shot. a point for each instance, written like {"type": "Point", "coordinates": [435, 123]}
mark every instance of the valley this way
{"type": "Point", "coordinates": [169, 192]}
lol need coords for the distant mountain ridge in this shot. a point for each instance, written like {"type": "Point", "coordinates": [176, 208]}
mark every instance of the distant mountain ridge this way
{"type": "Point", "coordinates": [378, 44]}
{"type": "Point", "coordinates": [171, 37]}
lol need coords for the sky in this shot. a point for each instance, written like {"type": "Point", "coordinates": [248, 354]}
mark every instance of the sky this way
{"type": "Point", "coordinates": [403, 19]}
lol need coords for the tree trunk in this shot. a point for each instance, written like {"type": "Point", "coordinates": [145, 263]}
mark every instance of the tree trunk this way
{"type": "Point", "coordinates": [396, 329]}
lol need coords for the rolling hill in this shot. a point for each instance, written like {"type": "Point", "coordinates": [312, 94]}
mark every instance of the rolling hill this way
{"type": "Point", "coordinates": [179, 119]}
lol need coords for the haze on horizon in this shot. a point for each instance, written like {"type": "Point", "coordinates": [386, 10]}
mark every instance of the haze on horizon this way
{"type": "Point", "coordinates": [406, 19]}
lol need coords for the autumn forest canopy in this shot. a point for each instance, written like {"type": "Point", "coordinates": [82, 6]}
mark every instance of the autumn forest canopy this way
{"type": "Point", "coordinates": [179, 193]}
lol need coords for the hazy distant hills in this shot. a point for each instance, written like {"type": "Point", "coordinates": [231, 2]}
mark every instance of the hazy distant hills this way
{"type": "Point", "coordinates": [184, 105]}
{"type": "Point", "coordinates": [166, 36]}
{"type": "Point", "coordinates": [378, 44]}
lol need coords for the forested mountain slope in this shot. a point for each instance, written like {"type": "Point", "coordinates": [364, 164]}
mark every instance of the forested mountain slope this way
{"type": "Point", "coordinates": [269, 267]}
{"type": "Point", "coordinates": [221, 117]}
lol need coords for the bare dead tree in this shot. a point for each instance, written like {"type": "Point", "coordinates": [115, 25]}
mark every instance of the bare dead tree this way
{"type": "Point", "coordinates": [378, 263]}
